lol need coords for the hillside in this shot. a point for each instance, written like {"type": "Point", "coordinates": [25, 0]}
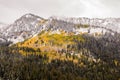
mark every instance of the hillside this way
{"type": "Point", "coordinates": [29, 25]}
{"type": "Point", "coordinates": [63, 56]}
{"type": "Point", "coordinates": [23, 28]}
{"type": "Point", "coordinates": [60, 48]}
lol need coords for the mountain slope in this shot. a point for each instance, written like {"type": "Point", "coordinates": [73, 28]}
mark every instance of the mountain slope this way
{"type": "Point", "coordinates": [30, 25]}
{"type": "Point", "coordinates": [63, 36]}
{"type": "Point", "coordinates": [109, 23]}
{"type": "Point", "coordinates": [3, 27]}
{"type": "Point", "coordinates": [26, 26]}
{"type": "Point", "coordinates": [48, 41]}
{"type": "Point", "coordinates": [65, 49]}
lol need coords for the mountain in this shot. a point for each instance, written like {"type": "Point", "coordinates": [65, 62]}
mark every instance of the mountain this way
{"type": "Point", "coordinates": [109, 23]}
{"type": "Point", "coordinates": [2, 29]}
{"type": "Point", "coordinates": [30, 25]}
{"type": "Point", "coordinates": [26, 26]}
{"type": "Point", "coordinates": [78, 26]}
{"type": "Point", "coordinates": [76, 35]}
{"type": "Point", "coordinates": [60, 48]}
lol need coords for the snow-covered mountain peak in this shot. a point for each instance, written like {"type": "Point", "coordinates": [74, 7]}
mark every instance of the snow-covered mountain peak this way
{"type": "Point", "coordinates": [30, 25]}
{"type": "Point", "coordinates": [26, 26]}
{"type": "Point", "coordinates": [27, 18]}
{"type": "Point", "coordinates": [29, 15]}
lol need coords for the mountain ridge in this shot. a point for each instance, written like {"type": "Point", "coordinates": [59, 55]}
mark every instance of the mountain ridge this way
{"type": "Point", "coordinates": [30, 25]}
{"type": "Point", "coordinates": [63, 49]}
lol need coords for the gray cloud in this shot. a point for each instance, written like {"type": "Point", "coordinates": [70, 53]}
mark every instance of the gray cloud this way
{"type": "Point", "coordinates": [10, 10]}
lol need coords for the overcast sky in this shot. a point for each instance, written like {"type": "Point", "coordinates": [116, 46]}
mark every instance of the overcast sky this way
{"type": "Point", "coordinates": [10, 10]}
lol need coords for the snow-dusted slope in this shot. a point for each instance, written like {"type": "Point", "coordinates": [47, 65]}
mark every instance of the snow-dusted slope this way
{"type": "Point", "coordinates": [30, 25]}
{"type": "Point", "coordinates": [79, 25]}
{"type": "Point", "coordinates": [26, 26]}
{"type": "Point", "coordinates": [109, 23]}
{"type": "Point", "coordinates": [3, 27]}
